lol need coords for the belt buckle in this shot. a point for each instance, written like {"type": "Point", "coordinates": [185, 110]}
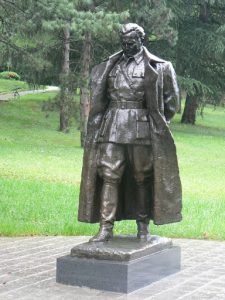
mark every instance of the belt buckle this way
{"type": "Point", "coordinates": [123, 104]}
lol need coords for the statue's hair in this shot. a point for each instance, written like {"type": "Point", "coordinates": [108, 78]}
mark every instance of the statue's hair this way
{"type": "Point", "coordinates": [127, 28]}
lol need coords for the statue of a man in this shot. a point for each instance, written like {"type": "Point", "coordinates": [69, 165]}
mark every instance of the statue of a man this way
{"type": "Point", "coordinates": [130, 168]}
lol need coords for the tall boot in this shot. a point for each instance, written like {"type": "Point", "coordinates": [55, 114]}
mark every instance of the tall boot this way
{"type": "Point", "coordinates": [109, 200]}
{"type": "Point", "coordinates": [143, 210]}
{"type": "Point", "coordinates": [143, 231]}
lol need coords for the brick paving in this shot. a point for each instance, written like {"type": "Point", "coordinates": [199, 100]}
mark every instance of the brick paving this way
{"type": "Point", "coordinates": [27, 271]}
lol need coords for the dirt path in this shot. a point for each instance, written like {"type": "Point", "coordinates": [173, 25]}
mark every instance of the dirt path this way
{"type": "Point", "coordinates": [10, 96]}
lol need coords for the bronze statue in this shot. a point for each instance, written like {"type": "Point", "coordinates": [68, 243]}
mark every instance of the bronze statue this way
{"type": "Point", "coordinates": [130, 168]}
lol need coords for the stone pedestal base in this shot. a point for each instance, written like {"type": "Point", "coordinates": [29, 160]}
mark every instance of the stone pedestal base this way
{"type": "Point", "coordinates": [123, 264]}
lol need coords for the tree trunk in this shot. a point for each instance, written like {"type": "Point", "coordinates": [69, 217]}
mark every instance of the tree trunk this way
{"type": "Point", "coordinates": [64, 101]}
{"type": "Point", "coordinates": [179, 71]}
{"type": "Point", "coordinates": [189, 114]}
{"type": "Point", "coordinates": [204, 12]}
{"type": "Point", "coordinates": [84, 87]}
{"type": "Point", "coordinates": [179, 104]}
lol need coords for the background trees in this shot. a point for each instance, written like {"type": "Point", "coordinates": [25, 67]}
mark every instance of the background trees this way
{"type": "Point", "coordinates": [58, 41]}
{"type": "Point", "coordinates": [200, 53]}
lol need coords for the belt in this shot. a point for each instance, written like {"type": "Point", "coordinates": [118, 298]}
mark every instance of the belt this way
{"type": "Point", "coordinates": [126, 104]}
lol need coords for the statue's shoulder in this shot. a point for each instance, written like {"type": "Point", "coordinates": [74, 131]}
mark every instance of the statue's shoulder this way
{"type": "Point", "coordinates": [151, 57]}
{"type": "Point", "coordinates": [99, 68]}
{"type": "Point", "coordinates": [111, 57]}
{"type": "Point", "coordinates": [161, 65]}
{"type": "Point", "coordinates": [114, 56]}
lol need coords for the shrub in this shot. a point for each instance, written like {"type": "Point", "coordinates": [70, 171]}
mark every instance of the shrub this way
{"type": "Point", "coordinates": [9, 75]}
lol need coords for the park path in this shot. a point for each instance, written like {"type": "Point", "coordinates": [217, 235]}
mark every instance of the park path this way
{"type": "Point", "coordinates": [9, 96]}
{"type": "Point", "coordinates": [28, 266]}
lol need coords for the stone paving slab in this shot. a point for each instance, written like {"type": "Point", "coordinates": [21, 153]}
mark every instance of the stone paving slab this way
{"type": "Point", "coordinates": [28, 266]}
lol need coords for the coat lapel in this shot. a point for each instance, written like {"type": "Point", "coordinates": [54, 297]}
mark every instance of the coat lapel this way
{"type": "Point", "coordinates": [99, 77]}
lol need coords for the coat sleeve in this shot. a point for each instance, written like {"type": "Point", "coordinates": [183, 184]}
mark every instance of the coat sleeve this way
{"type": "Point", "coordinates": [98, 102]}
{"type": "Point", "coordinates": [170, 91]}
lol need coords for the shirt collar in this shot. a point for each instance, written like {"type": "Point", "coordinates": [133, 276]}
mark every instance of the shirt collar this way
{"type": "Point", "coordinates": [137, 57]}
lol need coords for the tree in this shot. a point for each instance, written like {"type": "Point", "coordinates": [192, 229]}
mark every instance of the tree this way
{"type": "Point", "coordinates": [72, 27]}
{"type": "Point", "coordinates": [51, 41]}
{"type": "Point", "coordinates": [25, 45]}
{"type": "Point", "coordinates": [45, 25]}
{"type": "Point", "coordinates": [97, 20]}
{"type": "Point", "coordinates": [79, 20]}
{"type": "Point", "coordinates": [200, 52]}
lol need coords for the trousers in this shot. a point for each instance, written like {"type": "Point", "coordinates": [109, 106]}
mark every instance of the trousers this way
{"type": "Point", "coordinates": [111, 162]}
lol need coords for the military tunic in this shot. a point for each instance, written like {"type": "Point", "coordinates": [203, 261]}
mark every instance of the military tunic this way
{"type": "Point", "coordinates": [126, 120]}
{"type": "Point", "coordinates": [125, 138]}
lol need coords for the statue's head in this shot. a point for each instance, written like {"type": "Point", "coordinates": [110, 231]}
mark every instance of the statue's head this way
{"type": "Point", "coordinates": [132, 36]}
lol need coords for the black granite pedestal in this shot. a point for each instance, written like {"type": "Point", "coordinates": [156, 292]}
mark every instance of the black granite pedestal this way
{"type": "Point", "coordinates": [124, 264]}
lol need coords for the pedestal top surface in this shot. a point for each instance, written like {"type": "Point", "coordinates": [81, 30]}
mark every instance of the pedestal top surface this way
{"type": "Point", "coordinates": [121, 248]}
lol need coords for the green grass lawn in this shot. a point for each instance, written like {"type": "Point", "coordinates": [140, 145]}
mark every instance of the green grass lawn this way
{"type": "Point", "coordinates": [7, 86]}
{"type": "Point", "coordinates": [40, 174]}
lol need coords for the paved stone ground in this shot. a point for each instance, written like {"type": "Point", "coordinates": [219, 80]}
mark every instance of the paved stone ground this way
{"type": "Point", "coordinates": [27, 271]}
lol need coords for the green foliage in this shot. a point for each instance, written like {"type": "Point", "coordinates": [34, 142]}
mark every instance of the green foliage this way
{"type": "Point", "coordinates": [194, 87]}
{"type": "Point", "coordinates": [81, 16]}
{"type": "Point", "coordinates": [156, 18]}
{"type": "Point", "coordinates": [201, 47]}
{"type": "Point", "coordinates": [9, 75]}
{"type": "Point", "coordinates": [189, 33]}
{"type": "Point", "coordinates": [38, 31]}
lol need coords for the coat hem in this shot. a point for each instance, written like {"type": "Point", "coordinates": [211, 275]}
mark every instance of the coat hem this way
{"type": "Point", "coordinates": [158, 222]}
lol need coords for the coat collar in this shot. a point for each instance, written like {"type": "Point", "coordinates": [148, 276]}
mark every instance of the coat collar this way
{"type": "Point", "coordinates": [151, 57]}
{"type": "Point", "coordinates": [137, 57]}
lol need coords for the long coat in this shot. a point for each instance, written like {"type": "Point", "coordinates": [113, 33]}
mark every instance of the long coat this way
{"type": "Point", "coordinates": [161, 97]}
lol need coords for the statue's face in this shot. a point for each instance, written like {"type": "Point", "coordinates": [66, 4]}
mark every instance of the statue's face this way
{"type": "Point", "coordinates": [131, 44]}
